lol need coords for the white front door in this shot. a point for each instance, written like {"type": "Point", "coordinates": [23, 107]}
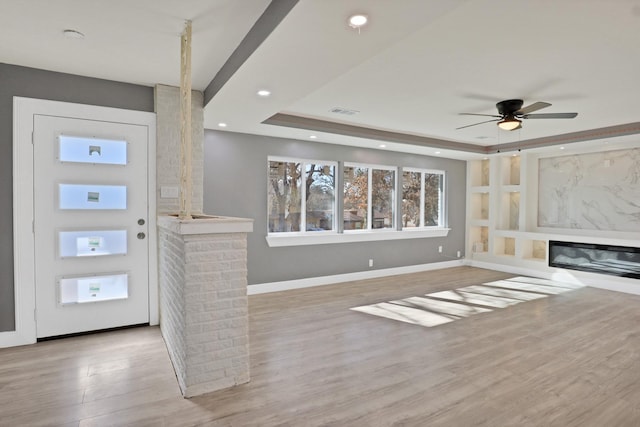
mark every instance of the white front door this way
{"type": "Point", "coordinates": [91, 224]}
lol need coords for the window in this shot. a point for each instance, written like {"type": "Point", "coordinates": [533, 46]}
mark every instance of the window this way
{"type": "Point", "coordinates": [91, 150]}
{"type": "Point", "coordinates": [422, 198]}
{"type": "Point", "coordinates": [369, 197]}
{"type": "Point", "coordinates": [302, 203]}
{"type": "Point", "coordinates": [301, 196]}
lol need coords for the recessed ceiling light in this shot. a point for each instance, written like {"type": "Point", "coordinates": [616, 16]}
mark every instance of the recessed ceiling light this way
{"type": "Point", "coordinates": [382, 146]}
{"type": "Point", "coordinates": [264, 93]}
{"type": "Point", "coordinates": [437, 152]}
{"type": "Point", "coordinates": [562, 148]}
{"type": "Point", "coordinates": [73, 34]}
{"type": "Point", "coordinates": [357, 21]}
{"type": "Point", "coordinates": [222, 125]}
{"type": "Point", "coordinates": [313, 137]}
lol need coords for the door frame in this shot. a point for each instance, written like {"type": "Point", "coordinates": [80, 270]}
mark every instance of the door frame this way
{"type": "Point", "coordinates": [23, 207]}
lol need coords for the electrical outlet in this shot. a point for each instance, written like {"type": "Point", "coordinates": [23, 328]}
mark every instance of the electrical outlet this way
{"type": "Point", "coordinates": [439, 249]}
{"type": "Point", "coordinates": [458, 254]}
{"type": "Point", "coordinates": [371, 263]}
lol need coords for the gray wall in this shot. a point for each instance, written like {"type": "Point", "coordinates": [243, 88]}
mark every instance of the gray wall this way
{"type": "Point", "coordinates": [235, 185]}
{"type": "Point", "coordinates": [33, 83]}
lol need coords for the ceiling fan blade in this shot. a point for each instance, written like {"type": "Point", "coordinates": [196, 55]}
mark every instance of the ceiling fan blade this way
{"type": "Point", "coordinates": [484, 115]}
{"type": "Point", "coordinates": [475, 124]}
{"type": "Point", "coordinates": [550, 116]}
{"type": "Point", "coordinates": [533, 107]}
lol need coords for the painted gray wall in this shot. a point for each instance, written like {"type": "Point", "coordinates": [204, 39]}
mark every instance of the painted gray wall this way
{"type": "Point", "coordinates": [34, 83]}
{"type": "Point", "coordinates": [235, 185]}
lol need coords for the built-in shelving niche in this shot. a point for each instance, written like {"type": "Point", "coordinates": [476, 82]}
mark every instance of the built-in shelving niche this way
{"type": "Point", "coordinates": [504, 246]}
{"type": "Point", "coordinates": [534, 250]}
{"type": "Point", "coordinates": [480, 206]}
{"type": "Point", "coordinates": [479, 238]}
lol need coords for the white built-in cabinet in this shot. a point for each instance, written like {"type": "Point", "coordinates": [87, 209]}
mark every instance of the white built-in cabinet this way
{"type": "Point", "coordinates": [498, 215]}
{"type": "Point", "coordinates": [502, 220]}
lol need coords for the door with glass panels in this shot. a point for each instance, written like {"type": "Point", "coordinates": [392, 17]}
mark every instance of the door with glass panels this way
{"type": "Point", "coordinates": [90, 225]}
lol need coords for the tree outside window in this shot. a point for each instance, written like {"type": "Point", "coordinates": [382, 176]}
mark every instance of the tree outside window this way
{"type": "Point", "coordinates": [301, 196]}
{"type": "Point", "coordinates": [422, 198]}
{"type": "Point", "coordinates": [369, 197]}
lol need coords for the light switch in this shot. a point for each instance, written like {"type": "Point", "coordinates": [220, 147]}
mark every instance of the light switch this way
{"type": "Point", "coordinates": [169, 192]}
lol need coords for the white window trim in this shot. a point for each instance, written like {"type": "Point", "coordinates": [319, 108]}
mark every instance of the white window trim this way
{"type": "Point", "coordinates": [275, 240]}
{"type": "Point", "coordinates": [303, 195]}
{"type": "Point", "coordinates": [304, 238]}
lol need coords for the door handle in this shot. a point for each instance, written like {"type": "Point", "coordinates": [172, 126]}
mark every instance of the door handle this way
{"type": "Point", "coordinates": [141, 221]}
{"type": "Point", "coordinates": [141, 235]}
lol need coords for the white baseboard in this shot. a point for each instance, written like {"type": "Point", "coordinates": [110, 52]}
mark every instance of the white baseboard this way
{"type": "Point", "coordinates": [594, 280]}
{"type": "Point", "coordinates": [14, 338]}
{"type": "Point", "coordinates": [511, 269]}
{"type": "Point", "coordinates": [263, 288]}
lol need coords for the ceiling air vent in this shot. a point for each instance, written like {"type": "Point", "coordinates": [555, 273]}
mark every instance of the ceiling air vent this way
{"type": "Point", "coordinates": [344, 111]}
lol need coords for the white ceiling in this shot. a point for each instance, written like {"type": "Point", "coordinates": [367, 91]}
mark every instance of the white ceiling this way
{"type": "Point", "coordinates": [410, 71]}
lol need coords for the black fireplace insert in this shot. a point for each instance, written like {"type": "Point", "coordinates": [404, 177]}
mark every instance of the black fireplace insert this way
{"type": "Point", "coordinates": [621, 261]}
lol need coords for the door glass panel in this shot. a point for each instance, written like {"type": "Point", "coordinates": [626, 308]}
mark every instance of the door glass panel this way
{"type": "Point", "coordinates": [91, 150]}
{"type": "Point", "coordinates": [92, 243]}
{"type": "Point", "coordinates": [78, 290]}
{"type": "Point", "coordinates": [98, 197]}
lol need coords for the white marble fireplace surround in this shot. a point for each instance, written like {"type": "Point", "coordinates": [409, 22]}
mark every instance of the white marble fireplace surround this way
{"type": "Point", "coordinates": [203, 300]}
{"type": "Point", "coordinates": [593, 191]}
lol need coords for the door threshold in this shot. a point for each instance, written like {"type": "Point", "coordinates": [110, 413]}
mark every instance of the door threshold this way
{"type": "Point", "coordinates": [78, 334]}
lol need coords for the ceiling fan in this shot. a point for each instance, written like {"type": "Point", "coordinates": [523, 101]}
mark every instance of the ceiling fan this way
{"type": "Point", "coordinates": [511, 113]}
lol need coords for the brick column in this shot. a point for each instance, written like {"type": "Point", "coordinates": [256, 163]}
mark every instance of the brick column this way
{"type": "Point", "coordinates": [203, 300]}
{"type": "Point", "coordinates": [167, 108]}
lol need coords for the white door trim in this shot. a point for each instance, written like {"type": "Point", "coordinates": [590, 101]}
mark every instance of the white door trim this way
{"type": "Point", "coordinates": [23, 177]}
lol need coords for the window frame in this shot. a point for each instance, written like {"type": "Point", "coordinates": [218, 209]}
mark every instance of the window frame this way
{"type": "Point", "coordinates": [370, 167]}
{"type": "Point", "coordinates": [338, 234]}
{"type": "Point", "coordinates": [442, 217]}
{"type": "Point", "coordinates": [303, 192]}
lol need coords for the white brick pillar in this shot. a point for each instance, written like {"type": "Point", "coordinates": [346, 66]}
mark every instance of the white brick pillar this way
{"type": "Point", "coordinates": [167, 108]}
{"type": "Point", "coordinates": [203, 300]}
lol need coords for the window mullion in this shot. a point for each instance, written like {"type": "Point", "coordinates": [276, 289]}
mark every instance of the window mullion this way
{"type": "Point", "coordinates": [423, 214]}
{"type": "Point", "coordinates": [303, 197]}
{"type": "Point", "coordinates": [369, 198]}
{"type": "Point", "coordinates": [441, 212]}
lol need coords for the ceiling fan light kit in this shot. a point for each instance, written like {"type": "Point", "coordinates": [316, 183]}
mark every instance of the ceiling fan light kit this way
{"type": "Point", "coordinates": [510, 123]}
{"type": "Point", "coordinates": [510, 113]}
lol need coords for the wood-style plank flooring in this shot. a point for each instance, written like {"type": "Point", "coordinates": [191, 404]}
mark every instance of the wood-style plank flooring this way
{"type": "Point", "coordinates": [571, 359]}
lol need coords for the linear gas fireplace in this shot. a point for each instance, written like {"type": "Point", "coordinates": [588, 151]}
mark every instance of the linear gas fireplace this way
{"type": "Point", "coordinates": [621, 261]}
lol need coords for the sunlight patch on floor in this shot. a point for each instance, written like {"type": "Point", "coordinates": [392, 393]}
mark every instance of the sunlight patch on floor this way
{"type": "Point", "coordinates": [477, 299]}
{"type": "Point", "coordinates": [500, 292]}
{"type": "Point", "coordinates": [405, 314]}
{"type": "Point", "coordinates": [443, 307]}
{"type": "Point", "coordinates": [542, 289]}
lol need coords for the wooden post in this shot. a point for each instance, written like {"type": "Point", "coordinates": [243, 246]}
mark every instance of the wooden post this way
{"type": "Point", "coordinates": [186, 182]}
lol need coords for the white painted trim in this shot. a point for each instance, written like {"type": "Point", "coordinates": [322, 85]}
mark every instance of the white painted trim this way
{"type": "Point", "coordinates": [205, 224]}
{"type": "Point", "coordinates": [154, 285]}
{"type": "Point", "coordinates": [594, 280]}
{"type": "Point", "coordinates": [23, 244]}
{"type": "Point", "coordinates": [23, 176]}
{"type": "Point", "coordinates": [320, 238]}
{"type": "Point", "coordinates": [263, 288]}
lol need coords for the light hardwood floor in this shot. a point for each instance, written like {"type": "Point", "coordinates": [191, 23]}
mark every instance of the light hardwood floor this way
{"type": "Point", "coordinates": [571, 359]}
